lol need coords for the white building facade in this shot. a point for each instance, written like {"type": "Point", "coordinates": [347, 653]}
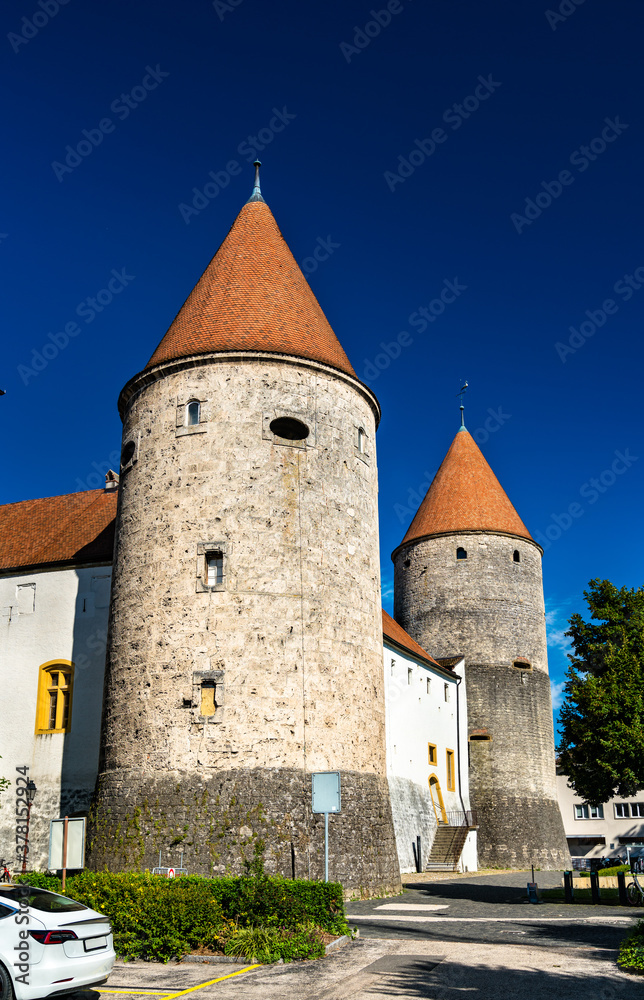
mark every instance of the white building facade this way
{"type": "Point", "coordinates": [53, 622]}
{"type": "Point", "coordinates": [609, 830]}
{"type": "Point", "coordinates": [427, 750]}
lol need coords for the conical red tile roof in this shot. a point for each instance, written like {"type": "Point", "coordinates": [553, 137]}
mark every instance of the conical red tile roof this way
{"type": "Point", "coordinates": [465, 495]}
{"type": "Point", "coordinates": [254, 297]}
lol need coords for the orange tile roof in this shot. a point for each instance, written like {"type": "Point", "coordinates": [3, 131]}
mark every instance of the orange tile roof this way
{"type": "Point", "coordinates": [465, 495]}
{"type": "Point", "coordinates": [73, 529]}
{"type": "Point", "coordinates": [392, 630]}
{"type": "Point", "coordinates": [254, 297]}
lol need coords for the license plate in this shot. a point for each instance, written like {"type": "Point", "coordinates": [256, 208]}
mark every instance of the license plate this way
{"type": "Point", "coordinates": [93, 944]}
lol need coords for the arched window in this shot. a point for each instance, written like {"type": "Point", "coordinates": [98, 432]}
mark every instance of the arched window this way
{"type": "Point", "coordinates": [193, 412]}
{"type": "Point", "coordinates": [461, 553]}
{"type": "Point", "coordinates": [517, 556]}
{"type": "Point", "coordinates": [55, 688]}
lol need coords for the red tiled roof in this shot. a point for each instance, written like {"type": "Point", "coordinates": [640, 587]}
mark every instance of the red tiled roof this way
{"type": "Point", "coordinates": [77, 528]}
{"type": "Point", "coordinates": [465, 495]}
{"type": "Point", "coordinates": [254, 297]}
{"type": "Point", "coordinates": [392, 630]}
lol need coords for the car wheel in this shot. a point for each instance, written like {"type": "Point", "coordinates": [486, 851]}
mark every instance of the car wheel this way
{"type": "Point", "coordinates": [6, 986]}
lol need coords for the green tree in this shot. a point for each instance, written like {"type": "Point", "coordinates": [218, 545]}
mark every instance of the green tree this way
{"type": "Point", "coordinates": [602, 718]}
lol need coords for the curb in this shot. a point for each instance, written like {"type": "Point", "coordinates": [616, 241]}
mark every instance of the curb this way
{"type": "Point", "coordinates": [338, 943]}
{"type": "Point", "coordinates": [239, 960]}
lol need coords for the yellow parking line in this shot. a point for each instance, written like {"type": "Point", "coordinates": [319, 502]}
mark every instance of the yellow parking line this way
{"type": "Point", "coordinates": [211, 981]}
{"type": "Point", "coordinates": [138, 993]}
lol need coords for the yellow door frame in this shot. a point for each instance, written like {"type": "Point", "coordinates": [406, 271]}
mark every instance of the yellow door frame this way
{"type": "Point", "coordinates": [435, 783]}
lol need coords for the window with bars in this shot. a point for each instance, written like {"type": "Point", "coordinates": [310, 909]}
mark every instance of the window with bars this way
{"type": "Point", "coordinates": [54, 704]}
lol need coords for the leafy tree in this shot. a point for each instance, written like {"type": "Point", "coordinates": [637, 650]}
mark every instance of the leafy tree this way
{"type": "Point", "coordinates": [602, 718]}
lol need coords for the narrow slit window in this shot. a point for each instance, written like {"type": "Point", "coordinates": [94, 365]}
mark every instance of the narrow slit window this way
{"type": "Point", "coordinates": [393, 667]}
{"type": "Point", "coordinates": [429, 685]}
{"type": "Point", "coordinates": [446, 691]}
{"type": "Point", "coordinates": [516, 555]}
{"type": "Point", "coordinates": [410, 674]}
{"type": "Point", "coordinates": [432, 753]}
{"type": "Point", "coordinates": [214, 568]}
{"type": "Point", "coordinates": [362, 436]}
{"type": "Point", "coordinates": [461, 553]}
{"type": "Point", "coordinates": [208, 703]}
{"type": "Point", "coordinates": [193, 413]}
{"type": "Point", "coordinates": [451, 779]}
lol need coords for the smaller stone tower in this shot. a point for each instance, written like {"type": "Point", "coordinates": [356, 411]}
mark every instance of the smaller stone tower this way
{"type": "Point", "coordinates": [467, 580]}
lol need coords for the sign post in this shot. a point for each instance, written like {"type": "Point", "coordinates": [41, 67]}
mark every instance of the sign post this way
{"type": "Point", "coordinates": [326, 799]}
{"type": "Point", "coordinates": [66, 844]}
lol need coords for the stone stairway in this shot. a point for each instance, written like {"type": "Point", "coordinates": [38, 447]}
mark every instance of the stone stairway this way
{"type": "Point", "coordinates": [446, 849]}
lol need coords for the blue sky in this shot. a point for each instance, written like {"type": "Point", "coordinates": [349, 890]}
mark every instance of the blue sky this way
{"type": "Point", "coordinates": [495, 149]}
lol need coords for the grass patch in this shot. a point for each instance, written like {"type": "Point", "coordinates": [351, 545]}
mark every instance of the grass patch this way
{"type": "Point", "coordinates": [609, 897]}
{"type": "Point", "coordinates": [631, 950]}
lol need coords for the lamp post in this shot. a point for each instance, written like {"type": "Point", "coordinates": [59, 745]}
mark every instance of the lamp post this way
{"type": "Point", "coordinates": [31, 795]}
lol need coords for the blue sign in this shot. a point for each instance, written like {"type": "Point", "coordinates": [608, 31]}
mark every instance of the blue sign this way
{"type": "Point", "coordinates": [326, 792]}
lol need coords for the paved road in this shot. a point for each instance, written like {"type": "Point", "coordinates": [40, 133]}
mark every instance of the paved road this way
{"type": "Point", "coordinates": [483, 943]}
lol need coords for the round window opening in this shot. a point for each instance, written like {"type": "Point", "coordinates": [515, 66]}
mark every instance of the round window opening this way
{"type": "Point", "coordinates": [289, 428]}
{"type": "Point", "coordinates": [128, 453]}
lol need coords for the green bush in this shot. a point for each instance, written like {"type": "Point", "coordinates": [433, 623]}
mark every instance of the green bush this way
{"type": "Point", "coordinates": [269, 944]}
{"type": "Point", "coordinates": [607, 871]}
{"type": "Point", "coordinates": [157, 918]}
{"type": "Point", "coordinates": [631, 950]}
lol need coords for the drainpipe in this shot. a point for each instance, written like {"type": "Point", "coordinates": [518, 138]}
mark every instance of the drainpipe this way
{"type": "Point", "coordinates": [458, 742]}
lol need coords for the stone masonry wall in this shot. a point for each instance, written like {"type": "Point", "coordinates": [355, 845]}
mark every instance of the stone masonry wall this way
{"type": "Point", "coordinates": [216, 819]}
{"type": "Point", "coordinates": [292, 638]}
{"type": "Point", "coordinates": [490, 609]}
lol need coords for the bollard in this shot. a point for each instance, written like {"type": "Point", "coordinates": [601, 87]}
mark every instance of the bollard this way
{"type": "Point", "coordinates": [594, 887]}
{"type": "Point", "coordinates": [621, 888]}
{"type": "Point", "coordinates": [569, 892]}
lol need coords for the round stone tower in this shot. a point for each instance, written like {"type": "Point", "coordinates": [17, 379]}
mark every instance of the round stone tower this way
{"type": "Point", "coordinates": [467, 580]}
{"type": "Point", "coordinates": [245, 644]}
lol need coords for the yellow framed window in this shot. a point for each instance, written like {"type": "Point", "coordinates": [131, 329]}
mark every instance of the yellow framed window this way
{"type": "Point", "coordinates": [432, 753]}
{"type": "Point", "coordinates": [451, 775]}
{"type": "Point", "coordinates": [55, 690]}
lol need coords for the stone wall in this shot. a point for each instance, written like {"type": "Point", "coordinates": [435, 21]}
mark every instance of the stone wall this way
{"type": "Point", "coordinates": [490, 608]}
{"type": "Point", "coordinates": [291, 638]}
{"type": "Point", "coordinates": [215, 820]}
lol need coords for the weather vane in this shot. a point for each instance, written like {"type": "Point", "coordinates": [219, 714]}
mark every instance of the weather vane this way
{"type": "Point", "coordinates": [462, 392]}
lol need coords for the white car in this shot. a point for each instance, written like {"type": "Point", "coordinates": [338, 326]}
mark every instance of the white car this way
{"type": "Point", "coordinates": [50, 944]}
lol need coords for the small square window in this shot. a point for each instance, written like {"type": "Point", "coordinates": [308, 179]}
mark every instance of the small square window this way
{"type": "Point", "coordinates": [622, 810]}
{"type": "Point", "coordinates": [581, 812]}
{"type": "Point", "coordinates": [637, 808]}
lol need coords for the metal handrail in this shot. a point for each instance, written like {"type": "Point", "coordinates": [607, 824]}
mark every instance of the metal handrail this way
{"type": "Point", "coordinates": [459, 818]}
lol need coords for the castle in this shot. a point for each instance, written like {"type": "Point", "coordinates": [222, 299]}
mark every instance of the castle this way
{"type": "Point", "coordinates": [246, 648]}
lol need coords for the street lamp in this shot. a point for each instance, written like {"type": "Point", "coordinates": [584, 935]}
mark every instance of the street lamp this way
{"type": "Point", "coordinates": [31, 795]}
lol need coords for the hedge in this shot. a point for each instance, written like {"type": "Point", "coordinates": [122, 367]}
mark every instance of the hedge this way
{"type": "Point", "coordinates": [157, 918]}
{"type": "Point", "coordinates": [607, 871]}
{"type": "Point", "coordinates": [631, 950]}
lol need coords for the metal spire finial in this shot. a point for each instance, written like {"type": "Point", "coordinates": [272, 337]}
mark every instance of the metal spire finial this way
{"type": "Point", "coordinates": [462, 392]}
{"type": "Point", "coordinates": [257, 191]}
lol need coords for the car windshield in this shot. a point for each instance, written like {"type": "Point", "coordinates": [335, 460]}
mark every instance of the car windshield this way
{"type": "Point", "coordinates": [41, 899]}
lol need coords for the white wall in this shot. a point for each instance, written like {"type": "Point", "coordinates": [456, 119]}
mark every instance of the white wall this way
{"type": "Point", "coordinates": [611, 834]}
{"type": "Point", "coordinates": [416, 717]}
{"type": "Point", "coordinates": [50, 615]}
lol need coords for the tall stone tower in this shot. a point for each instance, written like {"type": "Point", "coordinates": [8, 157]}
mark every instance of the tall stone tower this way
{"type": "Point", "coordinates": [245, 644]}
{"type": "Point", "coordinates": [467, 580]}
